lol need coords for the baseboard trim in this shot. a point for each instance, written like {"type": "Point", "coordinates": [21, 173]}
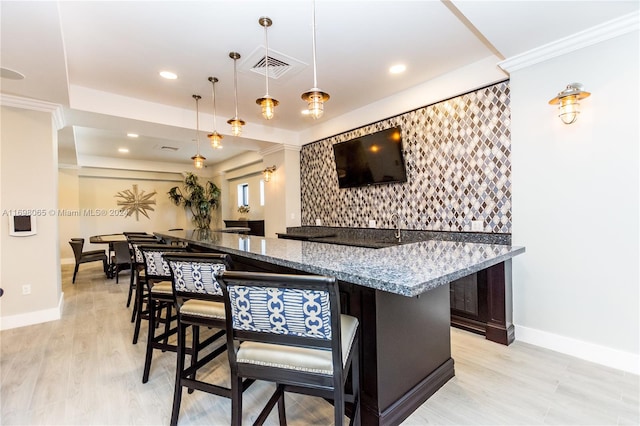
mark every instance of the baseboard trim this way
{"type": "Point", "coordinates": [30, 318]}
{"type": "Point", "coordinates": [592, 352]}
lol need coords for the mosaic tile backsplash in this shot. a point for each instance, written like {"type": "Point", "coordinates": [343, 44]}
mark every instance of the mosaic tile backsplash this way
{"type": "Point", "coordinates": [457, 155]}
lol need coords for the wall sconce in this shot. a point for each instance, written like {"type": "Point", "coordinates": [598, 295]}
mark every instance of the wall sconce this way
{"type": "Point", "coordinates": [268, 172]}
{"type": "Point", "coordinates": [568, 99]}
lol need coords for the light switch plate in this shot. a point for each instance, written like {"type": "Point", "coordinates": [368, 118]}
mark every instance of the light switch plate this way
{"type": "Point", "coordinates": [372, 223]}
{"type": "Point", "coordinates": [318, 222]}
{"type": "Point", "coordinates": [476, 226]}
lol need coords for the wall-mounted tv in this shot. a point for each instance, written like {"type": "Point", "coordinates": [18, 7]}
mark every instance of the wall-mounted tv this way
{"type": "Point", "coordinates": [370, 160]}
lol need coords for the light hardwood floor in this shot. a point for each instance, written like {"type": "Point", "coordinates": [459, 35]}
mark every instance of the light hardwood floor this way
{"type": "Point", "coordinates": [83, 370]}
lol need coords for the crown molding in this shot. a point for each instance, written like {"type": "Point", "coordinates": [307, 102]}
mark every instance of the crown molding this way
{"type": "Point", "coordinates": [35, 105]}
{"type": "Point", "coordinates": [606, 31]}
{"type": "Point", "coordinates": [278, 148]}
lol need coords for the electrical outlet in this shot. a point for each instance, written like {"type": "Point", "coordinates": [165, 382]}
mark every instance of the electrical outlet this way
{"type": "Point", "coordinates": [372, 223]}
{"type": "Point", "coordinates": [318, 222]}
{"type": "Point", "coordinates": [26, 289]}
{"type": "Point", "coordinates": [477, 226]}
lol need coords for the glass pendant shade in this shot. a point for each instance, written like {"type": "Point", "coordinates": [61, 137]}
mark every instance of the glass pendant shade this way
{"type": "Point", "coordinates": [236, 126]}
{"type": "Point", "coordinates": [315, 102]}
{"type": "Point", "coordinates": [198, 161]}
{"type": "Point", "coordinates": [567, 101]}
{"type": "Point", "coordinates": [268, 105]}
{"type": "Point", "coordinates": [216, 140]}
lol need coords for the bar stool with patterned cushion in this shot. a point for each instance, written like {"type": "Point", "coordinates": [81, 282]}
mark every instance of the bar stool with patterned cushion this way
{"type": "Point", "coordinates": [160, 297]}
{"type": "Point", "coordinates": [288, 329]}
{"type": "Point", "coordinates": [200, 304]}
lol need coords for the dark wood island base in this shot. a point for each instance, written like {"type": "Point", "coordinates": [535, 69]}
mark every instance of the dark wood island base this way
{"type": "Point", "coordinates": [405, 350]}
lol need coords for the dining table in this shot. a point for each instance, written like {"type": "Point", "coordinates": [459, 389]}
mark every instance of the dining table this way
{"type": "Point", "coordinates": [108, 239]}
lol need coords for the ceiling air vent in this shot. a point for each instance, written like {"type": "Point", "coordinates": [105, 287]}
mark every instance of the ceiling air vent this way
{"type": "Point", "coordinates": [281, 66]}
{"type": "Point", "coordinates": [168, 148]}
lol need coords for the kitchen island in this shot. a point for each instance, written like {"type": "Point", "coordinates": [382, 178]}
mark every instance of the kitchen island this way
{"type": "Point", "coordinates": [399, 294]}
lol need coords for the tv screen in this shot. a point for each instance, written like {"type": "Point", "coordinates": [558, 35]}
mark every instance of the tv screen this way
{"type": "Point", "coordinates": [370, 160]}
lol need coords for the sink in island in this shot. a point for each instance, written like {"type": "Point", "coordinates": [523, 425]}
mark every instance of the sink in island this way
{"type": "Point", "coordinates": [400, 295]}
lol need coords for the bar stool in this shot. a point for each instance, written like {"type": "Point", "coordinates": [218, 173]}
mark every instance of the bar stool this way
{"type": "Point", "coordinates": [199, 304]}
{"type": "Point", "coordinates": [288, 329]}
{"type": "Point", "coordinates": [159, 297]}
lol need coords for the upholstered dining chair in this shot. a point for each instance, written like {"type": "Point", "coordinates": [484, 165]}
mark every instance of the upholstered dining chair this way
{"type": "Point", "coordinates": [288, 329]}
{"type": "Point", "coordinates": [81, 256]}
{"type": "Point", "coordinates": [159, 297]}
{"type": "Point", "coordinates": [199, 303]}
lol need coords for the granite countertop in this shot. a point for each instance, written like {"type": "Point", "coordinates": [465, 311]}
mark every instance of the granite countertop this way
{"type": "Point", "coordinates": [408, 269]}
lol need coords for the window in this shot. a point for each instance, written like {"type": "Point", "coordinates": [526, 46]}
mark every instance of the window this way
{"type": "Point", "coordinates": [243, 194]}
{"type": "Point", "coordinates": [261, 192]}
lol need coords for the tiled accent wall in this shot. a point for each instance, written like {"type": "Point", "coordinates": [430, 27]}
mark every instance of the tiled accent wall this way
{"type": "Point", "coordinates": [457, 155]}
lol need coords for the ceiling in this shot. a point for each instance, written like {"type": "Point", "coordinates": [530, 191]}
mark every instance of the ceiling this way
{"type": "Point", "coordinates": [101, 60]}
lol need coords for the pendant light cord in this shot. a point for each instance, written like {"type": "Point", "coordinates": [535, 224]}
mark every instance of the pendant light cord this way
{"type": "Point", "coordinates": [197, 124]}
{"type": "Point", "coordinates": [213, 91]}
{"type": "Point", "coordinates": [313, 26]}
{"type": "Point", "coordinates": [235, 85]}
{"type": "Point", "coordinates": [266, 61]}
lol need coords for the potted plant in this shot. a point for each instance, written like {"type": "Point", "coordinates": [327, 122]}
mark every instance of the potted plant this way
{"type": "Point", "coordinates": [200, 200]}
{"type": "Point", "coordinates": [243, 210]}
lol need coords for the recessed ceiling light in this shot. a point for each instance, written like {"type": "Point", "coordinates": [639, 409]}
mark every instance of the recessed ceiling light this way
{"type": "Point", "coordinates": [168, 75]}
{"type": "Point", "coordinates": [397, 69]}
{"type": "Point", "coordinates": [132, 135]}
{"type": "Point", "coordinates": [123, 150]}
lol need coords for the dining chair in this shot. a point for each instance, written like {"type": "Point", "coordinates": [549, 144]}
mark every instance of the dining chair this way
{"type": "Point", "coordinates": [81, 256]}
{"type": "Point", "coordinates": [288, 329]}
{"type": "Point", "coordinates": [159, 298]}
{"type": "Point", "coordinates": [199, 304]}
{"type": "Point", "coordinates": [121, 258]}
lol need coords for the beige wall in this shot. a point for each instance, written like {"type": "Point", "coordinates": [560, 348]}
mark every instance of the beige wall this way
{"type": "Point", "coordinates": [251, 175]}
{"type": "Point", "coordinates": [576, 205]}
{"type": "Point", "coordinates": [95, 193]}
{"type": "Point", "coordinates": [29, 181]}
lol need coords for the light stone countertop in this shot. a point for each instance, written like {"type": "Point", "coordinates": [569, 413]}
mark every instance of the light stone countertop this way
{"type": "Point", "coordinates": [407, 269]}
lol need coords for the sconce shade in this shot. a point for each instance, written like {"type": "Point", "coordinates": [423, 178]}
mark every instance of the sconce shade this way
{"type": "Point", "coordinates": [569, 107]}
{"type": "Point", "coordinates": [268, 172]}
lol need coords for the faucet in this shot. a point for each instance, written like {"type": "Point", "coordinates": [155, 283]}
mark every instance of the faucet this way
{"type": "Point", "coordinates": [397, 234]}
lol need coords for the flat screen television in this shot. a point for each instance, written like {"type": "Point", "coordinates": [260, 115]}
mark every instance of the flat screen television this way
{"type": "Point", "coordinates": [371, 160]}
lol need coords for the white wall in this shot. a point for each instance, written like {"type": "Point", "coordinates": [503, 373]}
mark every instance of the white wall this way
{"type": "Point", "coordinates": [575, 205]}
{"type": "Point", "coordinates": [29, 181]}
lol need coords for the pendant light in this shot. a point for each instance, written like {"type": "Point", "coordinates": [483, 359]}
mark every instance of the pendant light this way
{"type": "Point", "coordinates": [267, 103]}
{"type": "Point", "coordinates": [198, 160]}
{"type": "Point", "coordinates": [315, 97]}
{"type": "Point", "coordinates": [236, 123]}
{"type": "Point", "coordinates": [215, 137]}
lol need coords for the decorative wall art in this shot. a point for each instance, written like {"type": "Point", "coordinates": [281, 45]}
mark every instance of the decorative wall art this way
{"type": "Point", "coordinates": [136, 202]}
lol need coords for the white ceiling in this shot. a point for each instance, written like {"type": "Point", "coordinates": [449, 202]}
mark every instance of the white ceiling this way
{"type": "Point", "coordinates": [100, 61]}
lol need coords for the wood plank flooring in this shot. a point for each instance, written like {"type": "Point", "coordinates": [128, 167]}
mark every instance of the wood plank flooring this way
{"type": "Point", "coordinates": [83, 370]}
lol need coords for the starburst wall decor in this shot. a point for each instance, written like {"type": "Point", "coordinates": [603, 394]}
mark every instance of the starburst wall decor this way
{"type": "Point", "coordinates": [136, 202]}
